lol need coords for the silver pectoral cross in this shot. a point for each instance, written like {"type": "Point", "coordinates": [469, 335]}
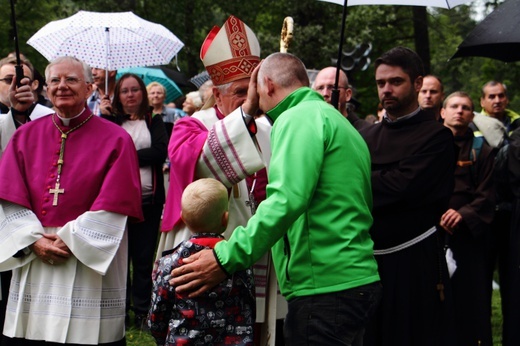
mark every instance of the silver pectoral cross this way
{"type": "Point", "coordinates": [252, 204]}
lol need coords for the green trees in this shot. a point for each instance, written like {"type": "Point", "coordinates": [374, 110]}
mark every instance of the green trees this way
{"type": "Point", "coordinates": [316, 35]}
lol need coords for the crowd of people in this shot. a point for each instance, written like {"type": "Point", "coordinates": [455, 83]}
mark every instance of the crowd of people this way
{"type": "Point", "coordinates": [272, 217]}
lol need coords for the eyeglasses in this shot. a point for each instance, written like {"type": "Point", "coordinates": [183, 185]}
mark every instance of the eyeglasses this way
{"type": "Point", "coordinates": [328, 87]}
{"type": "Point", "coordinates": [69, 81]}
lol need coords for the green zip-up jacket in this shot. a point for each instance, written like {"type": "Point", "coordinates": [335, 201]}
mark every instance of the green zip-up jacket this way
{"type": "Point", "coordinates": [317, 213]}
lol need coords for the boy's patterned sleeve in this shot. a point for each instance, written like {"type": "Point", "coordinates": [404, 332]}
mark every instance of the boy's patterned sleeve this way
{"type": "Point", "coordinates": [162, 300]}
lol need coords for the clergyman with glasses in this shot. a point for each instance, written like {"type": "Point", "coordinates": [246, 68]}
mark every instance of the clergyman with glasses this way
{"type": "Point", "coordinates": [64, 206]}
{"type": "Point", "coordinates": [324, 84]}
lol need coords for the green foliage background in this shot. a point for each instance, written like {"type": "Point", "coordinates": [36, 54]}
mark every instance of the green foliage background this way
{"type": "Point", "coordinates": [316, 35]}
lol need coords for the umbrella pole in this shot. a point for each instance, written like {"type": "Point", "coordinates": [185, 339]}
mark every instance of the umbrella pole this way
{"type": "Point", "coordinates": [107, 30]}
{"type": "Point", "coordinates": [18, 67]}
{"type": "Point", "coordinates": [335, 92]}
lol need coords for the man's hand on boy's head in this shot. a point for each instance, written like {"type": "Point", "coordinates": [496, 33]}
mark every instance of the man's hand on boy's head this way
{"type": "Point", "coordinates": [200, 273]}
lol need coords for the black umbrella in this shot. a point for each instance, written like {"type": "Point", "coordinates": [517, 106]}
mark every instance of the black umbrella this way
{"type": "Point", "coordinates": [178, 77]}
{"type": "Point", "coordinates": [496, 37]}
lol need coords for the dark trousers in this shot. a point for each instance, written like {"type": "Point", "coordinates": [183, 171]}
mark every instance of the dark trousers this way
{"type": "Point", "coordinates": [505, 239]}
{"type": "Point", "coordinates": [507, 228]}
{"type": "Point", "coordinates": [337, 318]}
{"type": "Point", "coordinates": [471, 286]}
{"type": "Point", "coordinates": [142, 243]}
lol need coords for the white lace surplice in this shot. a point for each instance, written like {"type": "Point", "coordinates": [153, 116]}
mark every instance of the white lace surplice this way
{"type": "Point", "coordinates": [81, 301]}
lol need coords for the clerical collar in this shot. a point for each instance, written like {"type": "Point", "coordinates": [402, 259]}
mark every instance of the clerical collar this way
{"type": "Point", "coordinates": [66, 121]}
{"type": "Point", "coordinates": [404, 117]}
{"type": "Point", "coordinates": [219, 114]}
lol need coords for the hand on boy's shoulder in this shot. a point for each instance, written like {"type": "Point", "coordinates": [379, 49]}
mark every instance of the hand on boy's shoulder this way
{"type": "Point", "coordinates": [200, 273]}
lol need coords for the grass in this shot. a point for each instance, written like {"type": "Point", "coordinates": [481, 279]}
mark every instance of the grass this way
{"type": "Point", "coordinates": [135, 337]}
{"type": "Point", "coordinates": [496, 319]}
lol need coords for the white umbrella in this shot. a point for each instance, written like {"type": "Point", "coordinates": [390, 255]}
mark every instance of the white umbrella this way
{"type": "Point", "coordinates": [107, 40]}
{"type": "Point", "coordinates": [345, 3]}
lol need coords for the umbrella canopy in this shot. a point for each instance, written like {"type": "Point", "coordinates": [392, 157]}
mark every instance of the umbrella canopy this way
{"type": "Point", "coordinates": [178, 77]}
{"type": "Point", "coordinates": [107, 40]}
{"type": "Point", "coordinates": [496, 37]}
{"type": "Point", "coordinates": [200, 78]}
{"type": "Point", "coordinates": [149, 74]}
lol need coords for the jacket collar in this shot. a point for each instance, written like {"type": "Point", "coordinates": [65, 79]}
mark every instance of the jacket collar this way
{"type": "Point", "coordinates": [292, 100]}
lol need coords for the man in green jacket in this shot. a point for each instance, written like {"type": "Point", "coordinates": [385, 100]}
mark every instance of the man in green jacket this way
{"type": "Point", "coordinates": [316, 216]}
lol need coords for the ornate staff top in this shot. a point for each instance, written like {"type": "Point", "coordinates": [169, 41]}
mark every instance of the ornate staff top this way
{"type": "Point", "coordinates": [287, 34]}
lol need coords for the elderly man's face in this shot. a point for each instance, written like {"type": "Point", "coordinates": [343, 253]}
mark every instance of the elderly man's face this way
{"type": "Point", "coordinates": [67, 88]}
{"type": "Point", "coordinates": [233, 97]}
{"type": "Point", "coordinates": [188, 106]}
{"type": "Point", "coordinates": [495, 100]}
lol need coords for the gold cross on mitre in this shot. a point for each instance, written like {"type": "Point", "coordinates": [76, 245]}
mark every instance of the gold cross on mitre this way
{"type": "Point", "coordinates": [56, 191]}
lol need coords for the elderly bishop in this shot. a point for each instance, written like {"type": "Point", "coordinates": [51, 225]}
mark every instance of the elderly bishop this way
{"type": "Point", "coordinates": [69, 181]}
{"type": "Point", "coordinates": [224, 143]}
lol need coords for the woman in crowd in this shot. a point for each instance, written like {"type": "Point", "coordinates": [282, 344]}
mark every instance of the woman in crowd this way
{"type": "Point", "coordinates": [156, 96]}
{"type": "Point", "coordinates": [130, 109]}
{"type": "Point", "coordinates": [192, 103]}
